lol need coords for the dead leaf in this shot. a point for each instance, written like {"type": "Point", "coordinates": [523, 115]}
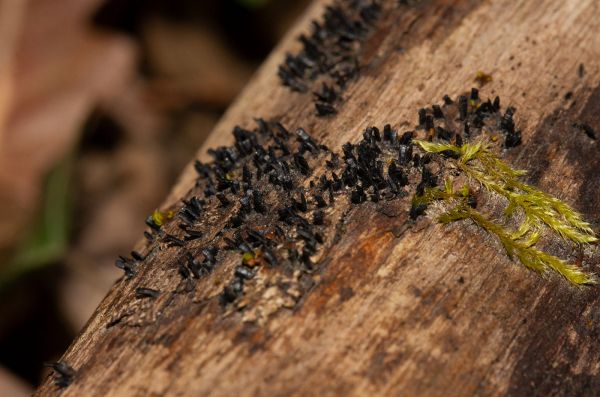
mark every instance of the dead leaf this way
{"type": "Point", "coordinates": [51, 75]}
{"type": "Point", "coordinates": [12, 386]}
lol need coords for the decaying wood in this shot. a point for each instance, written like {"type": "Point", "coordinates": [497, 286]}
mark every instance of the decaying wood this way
{"type": "Point", "coordinates": [395, 308]}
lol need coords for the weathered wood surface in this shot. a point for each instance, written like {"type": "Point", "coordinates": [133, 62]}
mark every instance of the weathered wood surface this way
{"type": "Point", "coordinates": [433, 311]}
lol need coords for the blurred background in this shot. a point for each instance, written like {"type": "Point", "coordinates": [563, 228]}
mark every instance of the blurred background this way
{"type": "Point", "coordinates": [102, 103]}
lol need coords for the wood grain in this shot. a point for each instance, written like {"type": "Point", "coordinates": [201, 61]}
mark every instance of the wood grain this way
{"type": "Point", "coordinates": [426, 310]}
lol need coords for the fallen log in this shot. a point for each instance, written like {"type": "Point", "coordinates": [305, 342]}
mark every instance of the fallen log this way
{"type": "Point", "coordinates": [259, 277]}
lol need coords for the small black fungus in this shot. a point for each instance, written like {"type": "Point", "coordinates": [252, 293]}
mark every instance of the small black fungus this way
{"type": "Point", "coordinates": [472, 201]}
{"type": "Point", "coordinates": [437, 112]}
{"type": "Point", "coordinates": [586, 129]}
{"type": "Point", "coordinates": [301, 164]}
{"type": "Point", "coordinates": [126, 265]}
{"type": "Point", "coordinates": [474, 94]}
{"type": "Point", "coordinates": [422, 115]}
{"type": "Point", "coordinates": [318, 217]}
{"type": "Point", "coordinates": [137, 256]}
{"type": "Point", "coordinates": [496, 104]}
{"type": "Point", "coordinates": [428, 123]}
{"type": "Point", "coordinates": [232, 291]}
{"type": "Point", "coordinates": [512, 139]}
{"type": "Point", "coordinates": [224, 201]}
{"type": "Point", "coordinates": [358, 195]}
{"type": "Point", "coordinates": [462, 107]}
{"type": "Point", "coordinates": [417, 210]}
{"type": "Point", "coordinates": [278, 187]}
{"type": "Point", "coordinates": [143, 292]}
{"type": "Point", "coordinates": [64, 373]}
{"type": "Point", "coordinates": [191, 234]}
{"type": "Point", "coordinates": [184, 271]}
{"type": "Point", "coordinates": [324, 109]}
{"type": "Point", "coordinates": [244, 272]}
{"type": "Point", "coordinates": [320, 201]}
{"type": "Point", "coordinates": [173, 241]}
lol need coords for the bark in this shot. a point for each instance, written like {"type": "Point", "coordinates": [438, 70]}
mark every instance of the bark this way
{"type": "Point", "coordinates": [392, 306]}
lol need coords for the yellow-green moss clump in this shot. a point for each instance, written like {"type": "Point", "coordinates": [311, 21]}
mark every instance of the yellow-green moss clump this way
{"type": "Point", "coordinates": [540, 210]}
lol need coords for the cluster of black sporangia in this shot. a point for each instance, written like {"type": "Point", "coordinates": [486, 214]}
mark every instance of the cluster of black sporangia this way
{"type": "Point", "coordinates": [361, 173]}
{"type": "Point", "coordinates": [586, 129]}
{"type": "Point", "coordinates": [267, 161]}
{"type": "Point", "coordinates": [128, 264]}
{"type": "Point", "coordinates": [331, 51]}
{"type": "Point", "coordinates": [474, 115]}
{"type": "Point", "coordinates": [275, 201]}
{"type": "Point", "coordinates": [271, 159]}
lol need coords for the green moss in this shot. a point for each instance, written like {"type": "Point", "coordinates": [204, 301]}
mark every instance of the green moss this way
{"type": "Point", "coordinates": [540, 210]}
